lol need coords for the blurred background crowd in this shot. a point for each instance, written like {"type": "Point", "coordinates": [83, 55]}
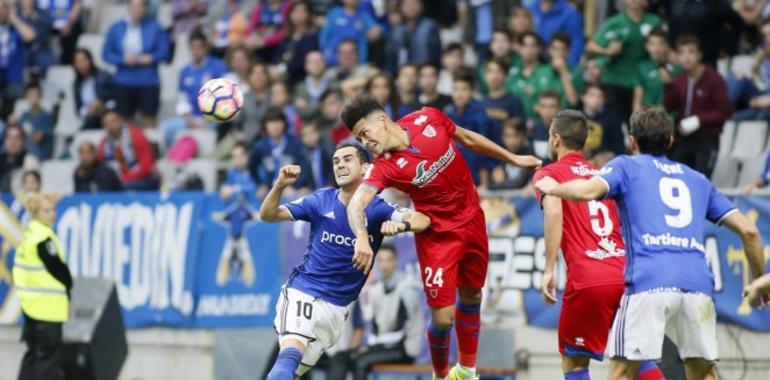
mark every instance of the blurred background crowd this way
{"type": "Point", "coordinates": [101, 95]}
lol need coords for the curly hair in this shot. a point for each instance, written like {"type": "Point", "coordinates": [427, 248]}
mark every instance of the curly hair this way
{"type": "Point", "coordinates": [358, 108]}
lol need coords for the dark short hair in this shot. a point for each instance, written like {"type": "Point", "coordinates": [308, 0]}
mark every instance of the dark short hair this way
{"type": "Point", "coordinates": [454, 46]}
{"type": "Point", "coordinates": [657, 32]}
{"type": "Point", "coordinates": [348, 41]}
{"type": "Point", "coordinates": [688, 39]}
{"type": "Point", "coordinates": [361, 106]}
{"type": "Point", "coordinates": [553, 94]}
{"type": "Point", "coordinates": [407, 65]}
{"type": "Point", "coordinates": [330, 92]}
{"type": "Point", "coordinates": [500, 62]}
{"type": "Point", "coordinates": [516, 124]}
{"type": "Point", "coordinates": [362, 154]}
{"type": "Point", "coordinates": [563, 38]}
{"type": "Point", "coordinates": [572, 126]}
{"type": "Point", "coordinates": [502, 31]}
{"type": "Point", "coordinates": [241, 145]}
{"type": "Point", "coordinates": [32, 172]}
{"type": "Point", "coordinates": [465, 75]}
{"type": "Point", "coordinates": [652, 129]}
{"type": "Point", "coordinates": [32, 86]}
{"type": "Point", "coordinates": [388, 247]}
{"type": "Point", "coordinates": [532, 34]}
{"type": "Point", "coordinates": [198, 35]}
{"type": "Point", "coordinates": [429, 65]}
{"type": "Point", "coordinates": [275, 114]}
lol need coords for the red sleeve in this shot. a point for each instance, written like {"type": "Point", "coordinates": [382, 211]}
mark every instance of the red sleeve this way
{"type": "Point", "coordinates": [143, 154]}
{"type": "Point", "coordinates": [714, 118]}
{"type": "Point", "coordinates": [540, 174]}
{"type": "Point", "coordinates": [254, 21]}
{"type": "Point", "coordinates": [440, 119]}
{"type": "Point", "coordinates": [378, 175]}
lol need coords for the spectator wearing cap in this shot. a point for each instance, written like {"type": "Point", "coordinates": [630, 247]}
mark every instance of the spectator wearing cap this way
{"type": "Point", "coordinates": [276, 149]}
{"type": "Point", "coordinates": [38, 54]}
{"type": "Point", "coordinates": [416, 40]}
{"type": "Point", "coordinates": [92, 89]}
{"type": "Point", "coordinates": [126, 147]}
{"type": "Point", "coordinates": [15, 33]}
{"type": "Point", "coordinates": [92, 174]}
{"type": "Point", "coordinates": [267, 28]}
{"type": "Point", "coordinates": [347, 22]}
{"type": "Point", "coordinates": [14, 159]}
{"type": "Point", "coordinates": [699, 98]}
{"type": "Point", "coordinates": [66, 17]}
{"type": "Point", "coordinates": [136, 46]}
{"type": "Point", "coordinates": [202, 68]}
{"type": "Point", "coordinates": [620, 42]}
{"type": "Point", "coordinates": [558, 16]}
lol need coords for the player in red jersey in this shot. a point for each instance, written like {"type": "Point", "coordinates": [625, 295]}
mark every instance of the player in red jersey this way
{"type": "Point", "coordinates": [418, 155]}
{"type": "Point", "coordinates": [589, 236]}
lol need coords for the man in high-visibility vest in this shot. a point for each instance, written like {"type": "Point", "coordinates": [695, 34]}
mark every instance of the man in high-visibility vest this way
{"type": "Point", "coordinates": [42, 282]}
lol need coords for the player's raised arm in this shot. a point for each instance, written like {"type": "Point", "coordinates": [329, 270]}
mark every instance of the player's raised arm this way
{"type": "Point", "coordinates": [482, 145]}
{"type": "Point", "coordinates": [363, 255]}
{"type": "Point", "coordinates": [575, 190]}
{"type": "Point", "coordinates": [552, 223]}
{"type": "Point", "coordinates": [271, 211]}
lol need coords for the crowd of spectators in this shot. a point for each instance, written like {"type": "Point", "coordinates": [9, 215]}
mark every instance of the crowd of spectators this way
{"type": "Point", "coordinates": [502, 68]}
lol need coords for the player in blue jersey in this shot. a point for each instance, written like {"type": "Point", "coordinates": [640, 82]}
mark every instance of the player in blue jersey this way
{"type": "Point", "coordinates": [663, 206]}
{"type": "Point", "coordinates": [315, 301]}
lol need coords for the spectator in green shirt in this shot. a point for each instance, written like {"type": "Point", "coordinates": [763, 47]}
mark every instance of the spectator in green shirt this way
{"type": "Point", "coordinates": [526, 82]}
{"type": "Point", "coordinates": [558, 53]}
{"type": "Point", "coordinates": [621, 39]}
{"type": "Point", "coordinates": [654, 72]}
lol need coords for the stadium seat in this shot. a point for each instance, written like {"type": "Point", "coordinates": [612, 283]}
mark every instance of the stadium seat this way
{"type": "Point", "coordinates": [169, 83]}
{"type": "Point", "coordinates": [751, 169]}
{"type": "Point", "coordinates": [750, 138]}
{"type": "Point", "coordinates": [206, 138]}
{"type": "Point", "coordinates": [155, 137]}
{"type": "Point", "coordinates": [740, 65]}
{"type": "Point", "coordinates": [726, 171]}
{"type": "Point", "coordinates": [171, 172]}
{"type": "Point", "coordinates": [57, 176]}
{"type": "Point", "coordinates": [110, 14]}
{"type": "Point", "coordinates": [726, 138]}
{"type": "Point", "coordinates": [165, 14]}
{"type": "Point", "coordinates": [94, 43]}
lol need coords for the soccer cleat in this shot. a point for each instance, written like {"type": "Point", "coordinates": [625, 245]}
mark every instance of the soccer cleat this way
{"type": "Point", "coordinates": [459, 373]}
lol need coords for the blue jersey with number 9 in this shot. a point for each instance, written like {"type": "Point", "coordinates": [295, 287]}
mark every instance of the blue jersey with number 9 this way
{"type": "Point", "coordinates": [664, 206]}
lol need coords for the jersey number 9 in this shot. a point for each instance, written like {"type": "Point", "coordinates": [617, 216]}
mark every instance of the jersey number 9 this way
{"type": "Point", "coordinates": [676, 195]}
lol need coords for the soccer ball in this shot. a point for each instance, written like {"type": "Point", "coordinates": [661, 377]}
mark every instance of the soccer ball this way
{"type": "Point", "coordinates": [220, 100]}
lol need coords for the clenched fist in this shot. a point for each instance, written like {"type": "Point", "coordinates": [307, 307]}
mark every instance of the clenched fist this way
{"type": "Point", "coordinates": [288, 175]}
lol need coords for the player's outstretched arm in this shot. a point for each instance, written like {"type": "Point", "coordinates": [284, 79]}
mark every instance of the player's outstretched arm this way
{"type": "Point", "coordinates": [363, 255]}
{"type": "Point", "coordinates": [413, 221]}
{"type": "Point", "coordinates": [575, 190]}
{"type": "Point", "coordinates": [271, 211]}
{"type": "Point", "coordinates": [752, 242]}
{"type": "Point", "coordinates": [758, 291]}
{"type": "Point", "coordinates": [552, 226]}
{"type": "Point", "coordinates": [482, 145]}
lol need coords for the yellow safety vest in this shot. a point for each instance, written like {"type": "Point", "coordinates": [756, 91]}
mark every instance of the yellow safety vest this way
{"type": "Point", "coordinates": [42, 296]}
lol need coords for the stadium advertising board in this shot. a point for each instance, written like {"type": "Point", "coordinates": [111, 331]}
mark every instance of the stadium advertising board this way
{"type": "Point", "coordinates": [179, 260]}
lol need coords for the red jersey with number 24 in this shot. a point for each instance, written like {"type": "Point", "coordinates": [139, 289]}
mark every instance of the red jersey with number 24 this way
{"type": "Point", "coordinates": [431, 170]}
{"type": "Point", "coordinates": [591, 241]}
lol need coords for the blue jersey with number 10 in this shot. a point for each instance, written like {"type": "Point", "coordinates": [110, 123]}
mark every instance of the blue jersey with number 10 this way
{"type": "Point", "coordinates": [664, 206]}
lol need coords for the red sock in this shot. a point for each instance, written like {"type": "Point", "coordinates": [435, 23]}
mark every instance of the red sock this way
{"type": "Point", "coordinates": [649, 371]}
{"type": "Point", "coordinates": [468, 324]}
{"type": "Point", "coordinates": [439, 350]}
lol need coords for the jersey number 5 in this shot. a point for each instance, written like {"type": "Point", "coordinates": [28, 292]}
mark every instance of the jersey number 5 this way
{"type": "Point", "coordinates": [676, 195]}
{"type": "Point", "coordinates": [598, 210]}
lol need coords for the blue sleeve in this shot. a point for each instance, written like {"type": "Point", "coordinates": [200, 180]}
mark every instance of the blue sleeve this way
{"type": "Point", "coordinates": [577, 43]}
{"type": "Point", "coordinates": [112, 51]}
{"type": "Point", "coordinates": [160, 50]}
{"type": "Point", "coordinates": [323, 37]}
{"type": "Point", "coordinates": [719, 206]}
{"type": "Point", "coordinates": [255, 162]}
{"type": "Point", "coordinates": [766, 171]}
{"type": "Point", "coordinates": [181, 80]}
{"type": "Point", "coordinates": [382, 211]}
{"type": "Point", "coordinates": [304, 208]}
{"type": "Point", "coordinates": [614, 175]}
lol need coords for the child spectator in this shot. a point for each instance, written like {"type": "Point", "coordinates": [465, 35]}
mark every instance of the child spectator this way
{"type": "Point", "coordinates": [406, 86]}
{"type": "Point", "coordinates": [505, 176]}
{"type": "Point", "coordinates": [500, 105]}
{"type": "Point", "coordinates": [606, 127]}
{"type": "Point", "coordinates": [654, 72]}
{"type": "Point", "coordinates": [38, 124]}
{"type": "Point", "coordinates": [428, 84]}
{"type": "Point", "coordinates": [451, 64]}
{"type": "Point", "coordinates": [527, 81]}
{"type": "Point", "coordinates": [548, 105]}
{"type": "Point", "coordinates": [566, 79]}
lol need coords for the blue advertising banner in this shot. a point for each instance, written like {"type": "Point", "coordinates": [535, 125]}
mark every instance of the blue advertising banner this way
{"type": "Point", "coordinates": [191, 260]}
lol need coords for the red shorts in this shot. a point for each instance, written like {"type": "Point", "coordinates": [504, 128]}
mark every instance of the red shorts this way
{"type": "Point", "coordinates": [452, 259]}
{"type": "Point", "coordinates": [586, 318]}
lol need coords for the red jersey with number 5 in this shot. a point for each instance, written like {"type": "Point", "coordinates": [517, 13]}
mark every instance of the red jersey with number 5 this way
{"type": "Point", "coordinates": [431, 170]}
{"type": "Point", "coordinates": [591, 241]}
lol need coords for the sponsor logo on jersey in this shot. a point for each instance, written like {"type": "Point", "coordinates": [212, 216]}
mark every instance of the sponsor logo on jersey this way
{"type": "Point", "coordinates": [401, 162]}
{"type": "Point", "coordinates": [424, 176]}
{"type": "Point", "coordinates": [420, 120]}
{"type": "Point", "coordinates": [429, 131]}
{"type": "Point", "coordinates": [584, 170]}
{"type": "Point", "coordinates": [608, 248]}
{"type": "Point", "coordinates": [337, 239]}
{"type": "Point", "coordinates": [433, 293]}
{"type": "Point", "coordinates": [329, 215]}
